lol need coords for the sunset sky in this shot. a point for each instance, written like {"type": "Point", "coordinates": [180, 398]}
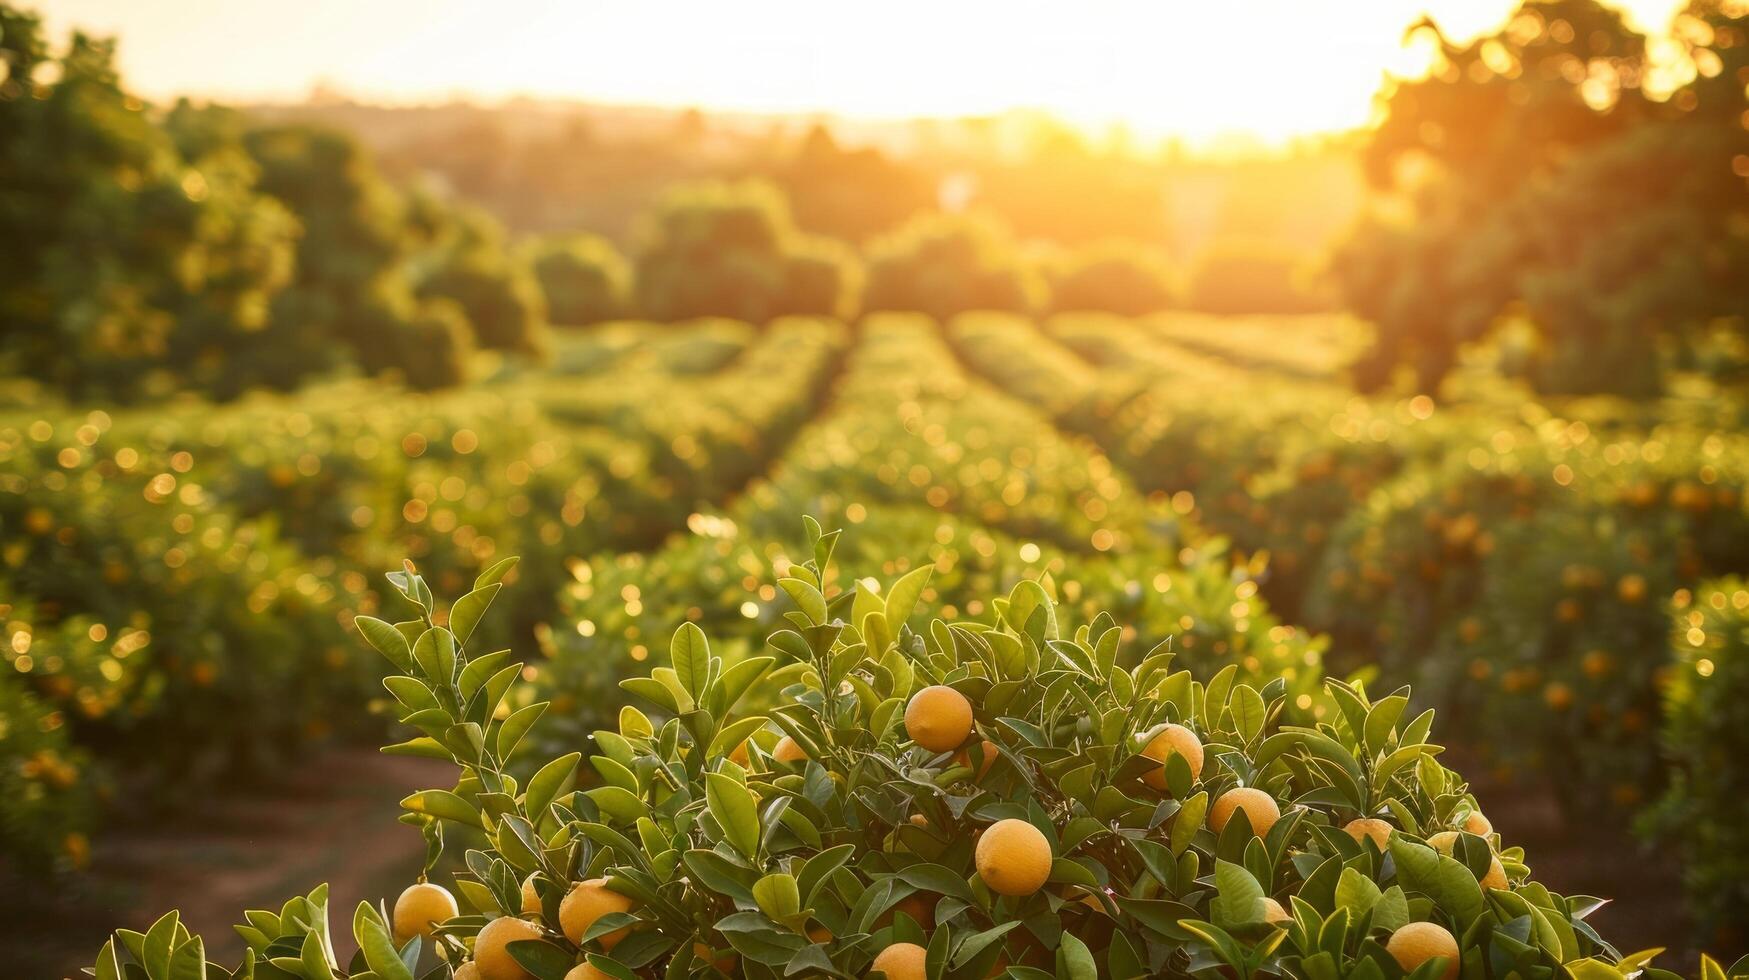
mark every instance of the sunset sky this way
{"type": "Point", "coordinates": [1270, 69]}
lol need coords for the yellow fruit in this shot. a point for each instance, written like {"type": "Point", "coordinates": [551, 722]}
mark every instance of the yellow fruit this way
{"type": "Point", "coordinates": [1477, 824]}
{"type": "Point", "coordinates": [1372, 827]}
{"type": "Point", "coordinates": [788, 751]}
{"type": "Point", "coordinates": [1418, 942]}
{"type": "Point", "coordinates": [1013, 858]}
{"type": "Point", "coordinates": [584, 971]}
{"type": "Point", "coordinates": [900, 961]}
{"type": "Point", "coordinates": [1496, 876]}
{"type": "Point", "coordinates": [1260, 808]}
{"type": "Point", "coordinates": [938, 718]}
{"type": "Point", "coordinates": [421, 908]}
{"type": "Point", "coordinates": [467, 971]}
{"type": "Point", "coordinates": [1443, 841]}
{"type": "Point", "coordinates": [1273, 912]}
{"type": "Point", "coordinates": [1168, 740]}
{"type": "Point", "coordinates": [588, 901]}
{"type": "Point", "coordinates": [492, 948]}
{"type": "Point", "coordinates": [738, 754]}
{"type": "Point", "coordinates": [530, 897]}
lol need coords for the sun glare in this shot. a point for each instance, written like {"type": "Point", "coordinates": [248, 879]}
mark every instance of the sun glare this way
{"type": "Point", "coordinates": [1263, 69]}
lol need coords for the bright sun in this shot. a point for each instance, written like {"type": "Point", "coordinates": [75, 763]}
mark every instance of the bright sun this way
{"type": "Point", "coordinates": [1267, 69]}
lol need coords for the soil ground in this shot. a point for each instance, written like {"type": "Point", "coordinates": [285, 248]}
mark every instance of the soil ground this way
{"type": "Point", "coordinates": [331, 820]}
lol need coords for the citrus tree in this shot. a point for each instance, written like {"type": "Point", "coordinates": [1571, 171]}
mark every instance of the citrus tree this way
{"type": "Point", "coordinates": [874, 796]}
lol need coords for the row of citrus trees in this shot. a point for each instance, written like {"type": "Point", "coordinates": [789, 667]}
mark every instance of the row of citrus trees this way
{"type": "Point", "coordinates": [175, 584]}
{"type": "Point", "coordinates": [1514, 561]}
{"type": "Point", "coordinates": [878, 792]}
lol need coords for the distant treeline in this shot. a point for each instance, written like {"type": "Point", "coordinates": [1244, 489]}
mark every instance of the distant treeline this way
{"type": "Point", "coordinates": [146, 252]}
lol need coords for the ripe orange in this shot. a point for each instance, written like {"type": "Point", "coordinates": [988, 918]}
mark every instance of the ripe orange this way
{"type": "Point", "coordinates": [491, 948]}
{"type": "Point", "coordinates": [964, 758]}
{"type": "Point", "coordinates": [530, 897]}
{"type": "Point", "coordinates": [1372, 827]}
{"type": "Point", "coordinates": [584, 971]}
{"type": "Point", "coordinates": [420, 909]}
{"type": "Point", "coordinates": [1013, 858]}
{"type": "Point", "coordinates": [938, 718]}
{"type": "Point", "coordinates": [900, 961]}
{"type": "Point", "coordinates": [467, 971]}
{"type": "Point", "coordinates": [1260, 808]}
{"type": "Point", "coordinates": [588, 901]}
{"type": "Point", "coordinates": [1170, 739]}
{"type": "Point", "coordinates": [724, 961]}
{"type": "Point", "coordinates": [788, 751]}
{"type": "Point", "coordinates": [1418, 942]}
{"type": "Point", "coordinates": [1477, 824]}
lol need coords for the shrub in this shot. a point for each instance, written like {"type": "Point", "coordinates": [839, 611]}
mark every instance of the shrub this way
{"type": "Point", "coordinates": [944, 265]}
{"type": "Point", "coordinates": [1113, 277]}
{"type": "Point", "coordinates": [1706, 738]}
{"type": "Point", "coordinates": [47, 786]}
{"type": "Point", "coordinates": [474, 267]}
{"type": "Point", "coordinates": [732, 250]}
{"type": "Point", "coordinates": [1243, 277]}
{"type": "Point", "coordinates": [759, 832]}
{"type": "Point", "coordinates": [584, 278]}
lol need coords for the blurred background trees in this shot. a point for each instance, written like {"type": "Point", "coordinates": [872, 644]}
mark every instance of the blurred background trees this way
{"type": "Point", "coordinates": [583, 277]}
{"type": "Point", "coordinates": [946, 264]}
{"type": "Point", "coordinates": [1534, 177]}
{"type": "Point", "coordinates": [732, 249]}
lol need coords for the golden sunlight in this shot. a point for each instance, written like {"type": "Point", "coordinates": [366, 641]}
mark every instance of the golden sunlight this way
{"type": "Point", "coordinates": [1265, 70]}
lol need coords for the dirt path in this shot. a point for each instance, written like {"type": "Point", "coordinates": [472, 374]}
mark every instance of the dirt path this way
{"type": "Point", "coordinates": [332, 820]}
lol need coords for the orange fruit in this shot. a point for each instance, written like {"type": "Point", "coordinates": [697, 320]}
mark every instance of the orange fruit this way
{"type": "Point", "coordinates": [938, 718]}
{"type": "Point", "coordinates": [588, 901]}
{"type": "Point", "coordinates": [1168, 740]}
{"type": "Point", "coordinates": [420, 909]}
{"type": "Point", "coordinates": [492, 948]}
{"type": "Point", "coordinates": [900, 961]}
{"type": "Point", "coordinates": [788, 751]}
{"type": "Point", "coordinates": [1260, 808]}
{"type": "Point", "coordinates": [964, 758]}
{"type": "Point", "coordinates": [1418, 942]}
{"type": "Point", "coordinates": [1372, 827]}
{"type": "Point", "coordinates": [1013, 858]}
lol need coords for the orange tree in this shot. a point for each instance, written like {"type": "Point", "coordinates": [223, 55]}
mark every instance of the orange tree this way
{"type": "Point", "coordinates": [1024, 798]}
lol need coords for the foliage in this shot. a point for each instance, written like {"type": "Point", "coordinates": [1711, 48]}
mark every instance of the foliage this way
{"type": "Point", "coordinates": [943, 265]}
{"type": "Point", "coordinates": [732, 249]}
{"type": "Point", "coordinates": [583, 277]}
{"type": "Point", "coordinates": [155, 267]}
{"type": "Point", "coordinates": [1113, 277]}
{"type": "Point", "coordinates": [1704, 726]}
{"type": "Point", "coordinates": [850, 193]}
{"type": "Point", "coordinates": [1251, 277]}
{"type": "Point", "coordinates": [733, 855]}
{"type": "Point", "coordinates": [474, 266]}
{"type": "Point", "coordinates": [1503, 159]}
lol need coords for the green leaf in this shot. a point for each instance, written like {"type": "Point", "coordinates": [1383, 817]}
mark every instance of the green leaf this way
{"type": "Point", "coordinates": [1238, 896]}
{"type": "Point", "coordinates": [735, 810]}
{"type": "Point", "coordinates": [1443, 879]}
{"type": "Point", "coordinates": [690, 653]}
{"type": "Point", "coordinates": [379, 950]}
{"type": "Point", "coordinates": [1076, 959]}
{"type": "Point", "coordinates": [1249, 711]}
{"type": "Point", "coordinates": [902, 600]}
{"type": "Point", "coordinates": [496, 572]}
{"type": "Point", "coordinates": [386, 640]}
{"type": "Point", "coordinates": [806, 597]}
{"type": "Point", "coordinates": [1356, 892]}
{"type": "Point", "coordinates": [444, 804]}
{"type": "Point", "coordinates": [468, 610]}
{"type": "Point", "coordinates": [544, 786]}
{"type": "Point", "coordinates": [517, 725]}
{"type": "Point", "coordinates": [778, 896]}
{"type": "Point", "coordinates": [1189, 821]}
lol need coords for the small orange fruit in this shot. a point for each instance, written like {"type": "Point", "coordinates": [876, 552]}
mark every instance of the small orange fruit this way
{"type": "Point", "coordinates": [1167, 741]}
{"type": "Point", "coordinates": [788, 750]}
{"type": "Point", "coordinates": [492, 948]}
{"type": "Point", "coordinates": [1260, 808]}
{"type": "Point", "coordinates": [588, 901]}
{"type": "Point", "coordinates": [1418, 942]}
{"type": "Point", "coordinates": [1372, 827]}
{"type": "Point", "coordinates": [938, 718]}
{"type": "Point", "coordinates": [1013, 858]}
{"type": "Point", "coordinates": [900, 961]}
{"type": "Point", "coordinates": [420, 909]}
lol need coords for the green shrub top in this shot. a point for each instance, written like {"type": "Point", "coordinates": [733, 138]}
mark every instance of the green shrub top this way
{"type": "Point", "coordinates": [994, 795]}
